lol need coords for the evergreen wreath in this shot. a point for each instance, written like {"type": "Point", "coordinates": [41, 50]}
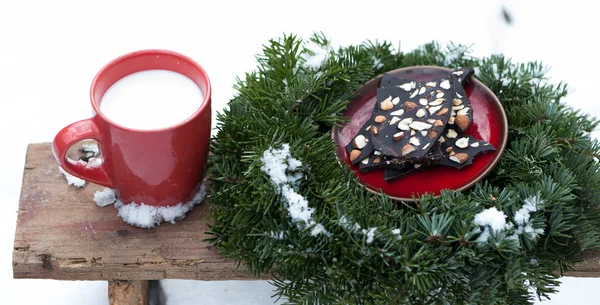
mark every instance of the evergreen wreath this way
{"type": "Point", "coordinates": [283, 205]}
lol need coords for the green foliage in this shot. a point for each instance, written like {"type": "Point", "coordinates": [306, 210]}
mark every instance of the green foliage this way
{"type": "Point", "coordinates": [377, 251]}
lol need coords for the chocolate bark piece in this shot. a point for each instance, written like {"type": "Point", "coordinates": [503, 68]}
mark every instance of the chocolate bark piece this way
{"type": "Point", "coordinates": [435, 155]}
{"type": "Point", "coordinates": [410, 128]}
{"type": "Point", "coordinates": [460, 149]}
{"type": "Point", "coordinates": [361, 147]}
{"type": "Point", "coordinates": [462, 113]}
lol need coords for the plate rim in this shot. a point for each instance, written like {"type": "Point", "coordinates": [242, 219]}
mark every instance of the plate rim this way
{"type": "Point", "coordinates": [499, 150]}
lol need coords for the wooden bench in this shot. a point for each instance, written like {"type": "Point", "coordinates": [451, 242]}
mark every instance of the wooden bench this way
{"type": "Point", "coordinates": [61, 234]}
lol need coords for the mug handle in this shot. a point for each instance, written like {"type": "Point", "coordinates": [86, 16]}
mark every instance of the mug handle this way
{"type": "Point", "coordinates": [73, 133]}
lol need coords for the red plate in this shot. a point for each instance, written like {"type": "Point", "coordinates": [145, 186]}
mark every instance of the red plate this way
{"type": "Point", "coordinates": [489, 124]}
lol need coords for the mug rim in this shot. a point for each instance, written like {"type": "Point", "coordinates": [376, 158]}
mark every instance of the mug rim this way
{"type": "Point", "coordinates": [124, 57]}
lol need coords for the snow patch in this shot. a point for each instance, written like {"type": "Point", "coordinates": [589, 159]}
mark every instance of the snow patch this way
{"type": "Point", "coordinates": [282, 170]}
{"type": "Point", "coordinates": [147, 216]}
{"type": "Point", "coordinates": [370, 234]}
{"type": "Point", "coordinates": [91, 148]}
{"type": "Point", "coordinates": [319, 56]}
{"type": "Point", "coordinates": [72, 180]}
{"type": "Point", "coordinates": [94, 162]}
{"type": "Point", "coordinates": [523, 217]}
{"type": "Point", "coordinates": [105, 197]}
{"type": "Point", "coordinates": [492, 221]}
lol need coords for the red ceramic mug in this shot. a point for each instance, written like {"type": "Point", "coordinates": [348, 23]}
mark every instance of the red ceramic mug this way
{"type": "Point", "coordinates": [161, 167]}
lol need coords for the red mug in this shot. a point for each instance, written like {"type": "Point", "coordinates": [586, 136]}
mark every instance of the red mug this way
{"type": "Point", "coordinates": [161, 167]}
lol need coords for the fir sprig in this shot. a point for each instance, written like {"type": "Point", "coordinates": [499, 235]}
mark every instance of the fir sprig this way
{"type": "Point", "coordinates": [377, 251]}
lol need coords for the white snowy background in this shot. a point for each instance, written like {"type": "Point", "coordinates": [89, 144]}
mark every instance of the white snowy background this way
{"type": "Point", "coordinates": [51, 50]}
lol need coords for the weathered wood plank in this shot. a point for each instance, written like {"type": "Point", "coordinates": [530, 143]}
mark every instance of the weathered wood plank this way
{"type": "Point", "coordinates": [62, 234]}
{"type": "Point", "coordinates": [128, 293]}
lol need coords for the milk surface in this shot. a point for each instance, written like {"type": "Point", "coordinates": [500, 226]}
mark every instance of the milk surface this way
{"type": "Point", "coordinates": [151, 99]}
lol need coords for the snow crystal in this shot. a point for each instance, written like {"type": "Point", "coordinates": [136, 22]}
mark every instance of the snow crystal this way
{"type": "Point", "coordinates": [276, 164]}
{"type": "Point", "coordinates": [147, 216]}
{"type": "Point", "coordinates": [276, 235]}
{"type": "Point", "coordinates": [345, 223]}
{"type": "Point", "coordinates": [396, 231]}
{"type": "Point", "coordinates": [370, 234]}
{"type": "Point", "coordinates": [72, 180]}
{"type": "Point", "coordinates": [105, 197]}
{"type": "Point", "coordinates": [523, 217]}
{"type": "Point", "coordinates": [319, 229]}
{"type": "Point", "coordinates": [377, 62]}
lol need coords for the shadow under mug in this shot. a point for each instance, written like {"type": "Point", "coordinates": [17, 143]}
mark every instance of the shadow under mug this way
{"type": "Point", "coordinates": [161, 167]}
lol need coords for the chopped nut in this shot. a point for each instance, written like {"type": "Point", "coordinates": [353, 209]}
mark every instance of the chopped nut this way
{"type": "Point", "coordinates": [439, 95]}
{"type": "Point", "coordinates": [412, 132]}
{"type": "Point", "coordinates": [399, 136]}
{"type": "Point", "coordinates": [416, 125]}
{"type": "Point", "coordinates": [380, 119]}
{"type": "Point", "coordinates": [414, 141]}
{"type": "Point", "coordinates": [443, 111]}
{"type": "Point", "coordinates": [423, 132]}
{"type": "Point", "coordinates": [458, 73]}
{"type": "Point", "coordinates": [462, 121]}
{"type": "Point", "coordinates": [410, 105]}
{"type": "Point", "coordinates": [432, 134]}
{"type": "Point", "coordinates": [438, 123]}
{"type": "Point", "coordinates": [464, 111]}
{"type": "Point", "coordinates": [458, 94]}
{"type": "Point", "coordinates": [452, 153]}
{"type": "Point", "coordinates": [414, 93]}
{"type": "Point", "coordinates": [456, 102]}
{"type": "Point", "coordinates": [365, 161]}
{"type": "Point", "coordinates": [420, 113]}
{"type": "Point", "coordinates": [422, 90]}
{"type": "Point", "coordinates": [394, 120]}
{"type": "Point", "coordinates": [460, 158]}
{"type": "Point", "coordinates": [374, 130]}
{"type": "Point", "coordinates": [475, 144]}
{"type": "Point", "coordinates": [445, 84]}
{"type": "Point", "coordinates": [376, 152]}
{"type": "Point", "coordinates": [408, 86]}
{"type": "Point", "coordinates": [418, 165]}
{"type": "Point", "coordinates": [423, 101]}
{"type": "Point", "coordinates": [386, 105]}
{"type": "Point", "coordinates": [355, 153]}
{"type": "Point", "coordinates": [360, 141]}
{"type": "Point", "coordinates": [459, 107]}
{"type": "Point", "coordinates": [449, 149]}
{"type": "Point", "coordinates": [437, 102]}
{"type": "Point", "coordinates": [395, 100]}
{"type": "Point", "coordinates": [434, 109]}
{"type": "Point", "coordinates": [407, 149]}
{"type": "Point", "coordinates": [426, 146]}
{"type": "Point", "coordinates": [451, 120]}
{"type": "Point", "coordinates": [397, 112]}
{"type": "Point", "coordinates": [431, 84]}
{"type": "Point", "coordinates": [441, 139]}
{"type": "Point", "coordinates": [431, 121]}
{"type": "Point", "coordinates": [462, 142]}
{"type": "Point", "coordinates": [451, 134]}
{"type": "Point", "coordinates": [376, 160]}
{"type": "Point", "coordinates": [368, 128]}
